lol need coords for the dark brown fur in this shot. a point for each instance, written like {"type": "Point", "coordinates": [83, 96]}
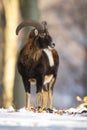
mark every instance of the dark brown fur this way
{"type": "Point", "coordinates": [33, 64]}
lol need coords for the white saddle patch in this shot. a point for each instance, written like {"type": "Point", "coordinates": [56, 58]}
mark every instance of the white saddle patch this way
{"type": "Point", "coordinates": [50, 56]}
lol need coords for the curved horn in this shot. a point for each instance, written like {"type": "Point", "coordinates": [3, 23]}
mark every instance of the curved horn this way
{"type": "Point", "coordinates": [44, 24]}
{"type": "Point", "coordinates": [29, 23]}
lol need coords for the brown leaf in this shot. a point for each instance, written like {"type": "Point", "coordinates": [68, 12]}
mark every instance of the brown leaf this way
{"type": "Point", "coordinates": [85, 99]}
{"type": "Point", "coordinates": [78, 98]}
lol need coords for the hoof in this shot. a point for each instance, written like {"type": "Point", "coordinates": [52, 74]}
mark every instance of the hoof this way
{"type": "Point", "coordinates": [49, 110]}
{"type": "Point", "coordinates": [40, 109]}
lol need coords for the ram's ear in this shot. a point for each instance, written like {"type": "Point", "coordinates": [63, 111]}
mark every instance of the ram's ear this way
{"type": "Point", "coordinates": [36, 32]}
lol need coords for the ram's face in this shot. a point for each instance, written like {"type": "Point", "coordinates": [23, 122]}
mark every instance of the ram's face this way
{"type": "Point", "coordinates": [44, 39]}
{"type": "Point", "coordinates": [43, 34]}
{"type": "Point", "coordinates": [40, 33]}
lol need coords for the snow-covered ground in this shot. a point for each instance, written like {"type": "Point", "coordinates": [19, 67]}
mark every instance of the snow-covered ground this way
{"type": "Point", "coordinates": [24, 120]}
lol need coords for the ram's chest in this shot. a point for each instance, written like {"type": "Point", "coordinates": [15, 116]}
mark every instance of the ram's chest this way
{"type": "Point", "coordinates": [49, 55]}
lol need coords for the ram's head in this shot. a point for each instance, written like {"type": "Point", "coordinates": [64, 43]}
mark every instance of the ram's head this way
{"type": "Point", "coordinates": [40, 31]}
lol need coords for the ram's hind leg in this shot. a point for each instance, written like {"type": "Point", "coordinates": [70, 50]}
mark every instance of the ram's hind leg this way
{"type": "Point", "coordinates": [28, 106]}
{"type": "Point", "coordinates": [27, 90]}
{"type": "Point", "coordinates": [45, 97]}
{"type": "Point", "coordinates": [50, 92]}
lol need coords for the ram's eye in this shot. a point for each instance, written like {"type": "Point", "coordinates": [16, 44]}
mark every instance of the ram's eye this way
{"type": "Point", "coordinates": [36, 32]}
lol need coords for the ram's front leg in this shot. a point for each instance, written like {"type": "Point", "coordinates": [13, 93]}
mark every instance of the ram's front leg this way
{"type": "Point", "coordinates": [50, 93]}
{"type": "Point", "coordinates": [39, 92]}
{"type": "Point", "coordinates": [39, 99]}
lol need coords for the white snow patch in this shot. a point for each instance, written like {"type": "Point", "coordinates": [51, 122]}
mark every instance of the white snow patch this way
{"type": "Point", "coordinates": [23, 119]}
{"type": "Point", "coordinates": [10, 109]}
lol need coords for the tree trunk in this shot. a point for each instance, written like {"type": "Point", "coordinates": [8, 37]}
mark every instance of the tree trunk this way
{"type": "Point", "coordinates": [29, 10]}
{"type": "Point", "coordinates": [2, 25]}
{"type": "Point", "coordinates": [84, 78]}
{"type": "Point", "coordinates": [11, 14]}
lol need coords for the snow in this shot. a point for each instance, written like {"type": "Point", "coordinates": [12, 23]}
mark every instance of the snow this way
{"type": "Point", "coordinates": [29, 120]}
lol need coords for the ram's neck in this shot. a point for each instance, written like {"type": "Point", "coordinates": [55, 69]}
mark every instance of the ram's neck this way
{"type": "Point", "coordinates": [30, 52]}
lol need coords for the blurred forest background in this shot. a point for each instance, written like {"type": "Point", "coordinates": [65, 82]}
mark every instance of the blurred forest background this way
{"type": "Point", "coordinates": [67, 24]}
